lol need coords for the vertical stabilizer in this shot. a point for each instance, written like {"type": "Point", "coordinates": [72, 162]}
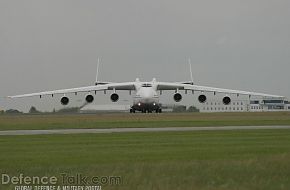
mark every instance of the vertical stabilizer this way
{"type": "Point", "coordinates": [97, 74]}
{"type": "Point", "coordinates": [190, 69]}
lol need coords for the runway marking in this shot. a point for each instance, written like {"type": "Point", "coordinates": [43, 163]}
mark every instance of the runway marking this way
{"type": "Point", "coordinates": [132, 130]}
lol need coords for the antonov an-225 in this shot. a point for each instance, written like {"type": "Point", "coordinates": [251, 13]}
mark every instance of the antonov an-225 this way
{"type": "Point", "coordinates": [146, 96]}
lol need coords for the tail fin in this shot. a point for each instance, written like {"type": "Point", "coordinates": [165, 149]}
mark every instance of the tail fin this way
{"type": "Point", "coordinates": [98, 65]}
{"type": "Point", "coordinates": [97, 75]}
{"type": "Point", "coordinates": [191, 77]}
{"type": "Point", "coordinates": [190, 70]}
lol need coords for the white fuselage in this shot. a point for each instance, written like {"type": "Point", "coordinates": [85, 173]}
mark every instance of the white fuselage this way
{"type": "Point", "coordinates": [146, 98]}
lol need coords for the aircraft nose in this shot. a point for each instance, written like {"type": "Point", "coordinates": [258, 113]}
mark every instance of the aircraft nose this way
{"type": "Point", "coordinates": [147, 98]}
{"type": "Point", "coordinates": [147, 95]}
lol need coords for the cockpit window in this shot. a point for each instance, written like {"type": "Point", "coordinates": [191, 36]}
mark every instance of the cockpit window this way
{"type": "Point", "coordinates": [146, 85]}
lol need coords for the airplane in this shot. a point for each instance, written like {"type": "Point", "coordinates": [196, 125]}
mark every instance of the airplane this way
{"type": "Point", "coordinates": [146, 96]}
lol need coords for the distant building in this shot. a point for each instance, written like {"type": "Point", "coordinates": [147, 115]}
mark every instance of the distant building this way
{"type": "Point", "coordinates": [258, 105]}
{"type": "Point", "coordinates": [269, 105]}
{"type": "Point", "coordinates": [218, 106]}
{"type": "Point", "coordinates": [92, 108]}
{"type": "Point", "coordinates": [167, 107]}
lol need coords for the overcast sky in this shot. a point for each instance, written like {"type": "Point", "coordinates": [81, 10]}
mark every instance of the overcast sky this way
{"type": "Point", "coordinates": [54, 44]}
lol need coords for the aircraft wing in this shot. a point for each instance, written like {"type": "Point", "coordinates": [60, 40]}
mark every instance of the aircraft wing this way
{"type": "Point", "coordinates": [111, 86]}
{"type": "Point", "coordinates": [182, 86]}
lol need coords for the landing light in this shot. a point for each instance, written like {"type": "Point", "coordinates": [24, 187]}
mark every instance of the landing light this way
{"type": "Point", "coordinates": [139, 104]}
{"type": "Point", "coordinates": [154, 104]}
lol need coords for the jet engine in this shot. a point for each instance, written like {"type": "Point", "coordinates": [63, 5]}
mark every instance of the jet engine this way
{"type": "Point", "coordinates": [202, 98]}
{"type": "Point", "coordinates": [64, 100]}
{"type": "Point", "coordinates": [114, 97]}
{"type": "Point", "coordinates": [89, 98]}
{"type": "Point", "coordinates": [227, 100]}
{"type": "Point", "coordinates": [177, 97]}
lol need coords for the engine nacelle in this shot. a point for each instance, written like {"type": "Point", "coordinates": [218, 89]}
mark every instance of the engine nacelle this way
{"type": "Point", "coordinates": [64, 100]}
{"type": "Point", "coordinates": [202, 98]}
{"type": "Point", "coordinates": [177, 97]}
{"type": "Point", "coordinates": [114, 97]}
{"type": "Point", "coordinates": [227, 100]}
{"type": "Point", "coordinates": [89, 98]}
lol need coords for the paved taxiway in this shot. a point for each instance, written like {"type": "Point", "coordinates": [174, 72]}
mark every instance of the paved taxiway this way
{"type": "Point", "coordinates": [128, 130]}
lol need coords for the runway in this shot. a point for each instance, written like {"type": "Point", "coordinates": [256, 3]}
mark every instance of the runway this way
{"type": "Point", "coordinates": [135, 130]}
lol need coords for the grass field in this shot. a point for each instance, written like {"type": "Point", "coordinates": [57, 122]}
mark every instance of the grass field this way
{"type": "Point", "coordinates": [141, 120]}
{"type": "Point", "coordinates": [225, 160]}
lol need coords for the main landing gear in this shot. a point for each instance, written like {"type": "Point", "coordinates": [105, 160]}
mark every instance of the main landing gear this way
{"type": "Point", "coordinates": [159, 111]}
{"type": "Point", "coordinates": [146, 111]}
